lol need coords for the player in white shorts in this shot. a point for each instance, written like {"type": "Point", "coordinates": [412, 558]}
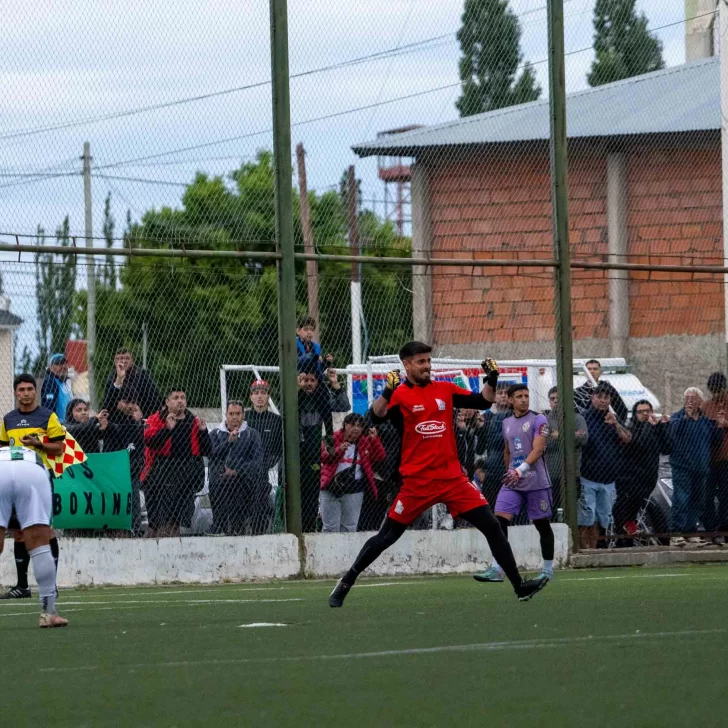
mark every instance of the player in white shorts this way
{"type": "Point", "coordinates": [24, 485]}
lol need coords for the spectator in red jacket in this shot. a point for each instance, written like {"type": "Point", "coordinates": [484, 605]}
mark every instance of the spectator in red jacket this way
{"type": "Point", "coordinates": [346, 472]}
{"type": "Point", "coordinates": [174, 471]}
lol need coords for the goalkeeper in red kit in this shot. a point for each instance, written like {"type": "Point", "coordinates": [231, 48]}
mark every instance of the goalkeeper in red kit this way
{"type": "Point", "coordinates": [422, 411]}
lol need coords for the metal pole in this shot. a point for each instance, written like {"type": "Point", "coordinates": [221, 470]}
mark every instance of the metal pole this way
{"type": "Point", "coordinates": [355, 277]}
{"type": "Point", "coordinates": [145, 344]}
{"type": "Point", "coordinates": [90, 277]}
{"type": "Point", "coordinates": [562, 254]}
{"type": "Point", "coordinates": [311, 265]}
{"type": "Point", "coordinates": [723, 25]}
{"type": "Point", "coordinates": [287, 265]}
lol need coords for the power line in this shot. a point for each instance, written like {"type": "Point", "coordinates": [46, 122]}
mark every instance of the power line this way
{"type": "Point", "coordinates": [326, 117]}
{"type": "Point", "coordinates": [379, 55]}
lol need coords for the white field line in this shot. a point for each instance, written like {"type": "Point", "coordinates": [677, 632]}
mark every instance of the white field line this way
{"type": "Point", "coordinates": [482, 647]}
{"type": "Point", "coordinates": [210, 590]}
{"type": "Point", "coordinates": [119, 604]}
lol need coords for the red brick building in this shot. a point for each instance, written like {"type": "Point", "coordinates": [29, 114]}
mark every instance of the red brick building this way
{"type": "Point", "coordinates": [644, 187]}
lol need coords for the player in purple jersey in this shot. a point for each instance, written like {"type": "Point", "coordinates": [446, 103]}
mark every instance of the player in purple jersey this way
{"type": "Point", "coordinates": [527, 480]}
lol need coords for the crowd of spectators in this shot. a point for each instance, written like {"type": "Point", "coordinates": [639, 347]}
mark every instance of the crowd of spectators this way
{"type": "Point", "coordinates": [349, 477]}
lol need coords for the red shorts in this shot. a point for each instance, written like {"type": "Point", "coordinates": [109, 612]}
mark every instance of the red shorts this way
{"type": "Point", "coordinates": [418, 495]}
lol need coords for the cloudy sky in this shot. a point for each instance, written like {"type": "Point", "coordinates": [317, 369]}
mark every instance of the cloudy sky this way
{"type": "Point", "coordinates": [75, 72]}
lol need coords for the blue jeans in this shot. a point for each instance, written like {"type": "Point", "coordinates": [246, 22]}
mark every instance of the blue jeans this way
{"type": "Point", "coordinates": [688, 499]}
{"type": "Point", "coordinates": [596, 503]}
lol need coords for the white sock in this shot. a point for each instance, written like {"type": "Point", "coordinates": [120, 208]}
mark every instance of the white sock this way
{"type": "Point", "coordinates": [548, 565]}
{"type": "Point", "coordinates": [44, 570]}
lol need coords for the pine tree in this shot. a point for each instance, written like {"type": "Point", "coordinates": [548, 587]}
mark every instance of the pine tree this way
{"type": "Point", "coordinates": [490, 42]}
{"type": "Point", "coordinates": [55, 285]}
{"type": "Point", "coordinates": [107, 272]}
{"type": "Point", "coordinates": [622, 44]}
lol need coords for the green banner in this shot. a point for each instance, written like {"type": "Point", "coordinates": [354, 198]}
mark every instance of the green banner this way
{"type": "Point", "coordinates": [95, 494]}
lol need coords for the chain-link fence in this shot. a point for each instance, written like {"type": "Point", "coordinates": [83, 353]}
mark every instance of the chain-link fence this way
{"type": "Point", "coordinates": [421, 134]}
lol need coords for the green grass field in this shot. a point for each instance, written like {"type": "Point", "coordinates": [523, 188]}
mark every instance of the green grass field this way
{"type": "Point", "coordinates": [603, 648]}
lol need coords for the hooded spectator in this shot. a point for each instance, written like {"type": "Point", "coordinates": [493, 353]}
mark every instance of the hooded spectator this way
{"type": "Point", "coordinates": [238, 489]}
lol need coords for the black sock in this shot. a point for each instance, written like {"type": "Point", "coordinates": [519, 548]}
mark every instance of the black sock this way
{"type": "Point", "coordinates": [504, 525]}
{"type": "Point", "coordinates": [484, 520]}
{"type": "Point", "coordinates": [372, 549]}
{"type": "Point", "coordinates": [22, 563]}
{"type": "Point", "coordinates": [543, 526]}
{"type": "Point", "coordinates": [55, 551]}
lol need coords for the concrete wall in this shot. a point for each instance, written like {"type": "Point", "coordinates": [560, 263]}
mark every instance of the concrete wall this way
{"type": "Point", "coordinates": [429, 552]}
{"type": "Point", "coordinates": [94, 562]}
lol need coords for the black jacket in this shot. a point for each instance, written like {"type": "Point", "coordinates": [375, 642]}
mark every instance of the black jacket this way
{"type": "Point", "coordinates": [270, 428]}
{"type": "Point", "coordinates": [138, 385]}
{"type": "Point", "coordinates": [583, 395]}
{"type": "Point", "coordinates": [642, 454]}
{"type": "Point", "coordinates": [89, 435]}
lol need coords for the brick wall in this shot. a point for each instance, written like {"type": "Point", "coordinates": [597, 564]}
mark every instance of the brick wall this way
{"type": "Point", "coordinates": [500, 207]}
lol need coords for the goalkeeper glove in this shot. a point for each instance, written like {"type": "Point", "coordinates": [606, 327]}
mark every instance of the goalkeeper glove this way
{"type": "Point", "coordinates": [490, 367]}
{"type": "Point", "coordinates": [393, 381]}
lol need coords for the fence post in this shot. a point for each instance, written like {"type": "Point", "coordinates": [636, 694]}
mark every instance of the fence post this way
{"type": "Point", "coordinates": [562, 254]}
{"type": "Point", "coordinates": [287, 266]}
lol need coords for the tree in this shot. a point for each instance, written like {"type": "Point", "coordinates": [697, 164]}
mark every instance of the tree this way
{"type": "Point", "coordinates": [106, 273]}
{"type": "Point", "coordinates": [622, 44]}
{"type": "Point", "coordinates": [203, 313]}
{"type": "Point", "coordinates": [55, 285]}
{"type": "Point", "coordinates": [490, 39]}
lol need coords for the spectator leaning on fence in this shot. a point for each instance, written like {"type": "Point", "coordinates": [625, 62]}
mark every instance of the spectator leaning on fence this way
{"type": "Point", "coordinates": [93, 434]}
{"type": "Point", "coordinates": [268, 424]}
{"type": "Point", "coordinates": [55, 392]}
{"type": "Point", "coordinates": [174, 471]}
{"type": "Point", "coordinates": [692, 439]}
{"type": "Point", "coordinates": [554, 443]}
{"type": "Point", "coordinates": [641, 465]}
{"type": "Point", "coordinates": [126, 380]}
{"type": "Point", "coordinates": [386, 478]}
{"type": "Point", "coordinates": [600, 465]}
{"type": "Point", "coordinates": [307, 347]}
{"type": "Point", "coordinates": [347, 472]}
{"type": "Point", "coordinates": [469, 431]}
{"type": "Point", "coordinates": [316, 402]}
{"type": "Point", "coordinates": [583, 394]}
{"type": "Point", "coordinates": [238, 489]}
{"type": "Point", "coordinates": [490, 466]}
{"type": "Point", "coordinates": [716, 519]}
{"type": "Point", "coordinates": [128, 434]}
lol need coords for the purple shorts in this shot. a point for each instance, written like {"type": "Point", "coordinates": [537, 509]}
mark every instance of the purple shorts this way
{"type": "Point", "coordinates": [511, 501]}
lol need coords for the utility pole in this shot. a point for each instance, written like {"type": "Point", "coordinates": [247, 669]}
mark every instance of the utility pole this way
{"type": "Point", "coordinates": [287, 266]}
{"type": "Point", "coordinates": [90, 277]}
{"type": "Point", "coordinates": [355, 277]}
{"type": "Point", "coordinates": [311, 265]}
{"type": "Point", "coordinates": [562, 254]}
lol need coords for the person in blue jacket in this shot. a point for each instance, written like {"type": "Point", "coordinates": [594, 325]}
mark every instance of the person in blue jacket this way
{"type": "Point", "coordinates": [55, 392]}
{"type": "Point", "coordinates": [692, 436]}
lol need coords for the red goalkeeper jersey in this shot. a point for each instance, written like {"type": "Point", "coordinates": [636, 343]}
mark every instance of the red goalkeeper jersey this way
{"type": "Point", "coordinates": [424, 416]}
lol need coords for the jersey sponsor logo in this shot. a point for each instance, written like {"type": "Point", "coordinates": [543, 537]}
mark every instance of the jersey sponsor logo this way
{"type": "Point", "coordinates": [431, 428]}
{"type": "Point", "coordinates": [440, 405]}
{"type": "Point", "coordinates": [399, 508]}
{"type": "Point", "coordinates": [418, 408]}
{"type": "Point", "coordinates": [526, 426]}
{"type": "Point", "coordinates": [544, 430]}
{"type": "Point", "coordinates": [544, 506]}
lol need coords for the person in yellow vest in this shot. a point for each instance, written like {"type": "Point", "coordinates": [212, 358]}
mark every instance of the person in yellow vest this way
{"type": "Point", "coordinates": [38, 429]}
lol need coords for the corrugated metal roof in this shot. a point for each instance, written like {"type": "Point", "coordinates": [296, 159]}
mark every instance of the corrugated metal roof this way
{"type": "Point", "coordinates": [678, 99]}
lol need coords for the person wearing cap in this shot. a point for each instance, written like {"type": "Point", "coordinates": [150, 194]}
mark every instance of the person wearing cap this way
{"type": "Point", "coordinates": [602, 460]}
{"type": "Point", "coordinates": [55, 392]}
